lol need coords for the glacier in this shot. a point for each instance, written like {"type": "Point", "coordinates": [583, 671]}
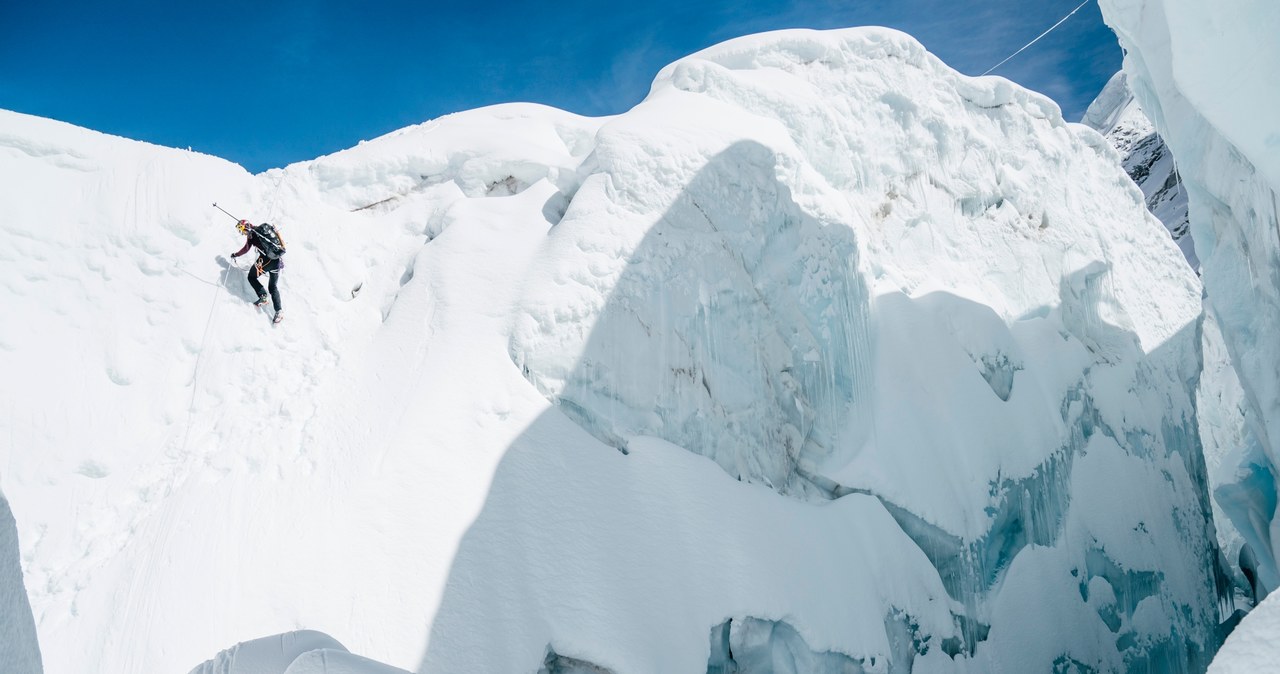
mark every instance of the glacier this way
{"type": "Point", "coordinates": [1220, 402]}
{"type": "Point", "coordinates": [823, 357]}
{"type": "Point", "coordinates": [1203, 73]}
{"type": "Point", "coordinates": [1192, 68]}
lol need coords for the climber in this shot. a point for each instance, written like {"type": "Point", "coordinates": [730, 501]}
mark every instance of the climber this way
{"type": "Point", "coordinates": [271, 250]}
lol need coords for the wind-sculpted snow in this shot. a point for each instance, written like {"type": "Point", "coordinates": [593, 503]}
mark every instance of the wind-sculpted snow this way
{"type": "Point", "coordinates": [1252, 647]}
{"type": "Point", "coordinates": [298, 652]}
{"type": "Point", "coordinates": [824, 350]}
{"type": "Point", "coordinates": [1198, 71]}
{"type": "Point", "coordinates": [267, 655]}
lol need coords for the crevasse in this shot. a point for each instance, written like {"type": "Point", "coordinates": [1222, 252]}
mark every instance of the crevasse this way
{"type": "Point", "coordinates": [1201, 74]}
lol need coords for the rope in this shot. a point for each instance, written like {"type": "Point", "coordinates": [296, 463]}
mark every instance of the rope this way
{"type": "Point", "coordinates": [1024, 47]}
{"type": "Point", "coordinates": [195, 377]}
{"type": "Point", "coordinates": [208, 283]}
{"type": "Point", "coordinates": [271, 212]}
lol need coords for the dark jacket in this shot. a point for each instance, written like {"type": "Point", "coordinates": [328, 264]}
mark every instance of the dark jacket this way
{"type": "Point", "coordinates": [254, 240]}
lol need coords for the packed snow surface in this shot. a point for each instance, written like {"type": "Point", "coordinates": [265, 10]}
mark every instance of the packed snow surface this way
{"type": "Point", "coordinates": [1252, 647]}
{"type": "Point", "coordinates": [1205, 73]}
{"type": "Point", "coordinates": [298, 652]}
{"type": "Point", "coordinates": [824, 356]}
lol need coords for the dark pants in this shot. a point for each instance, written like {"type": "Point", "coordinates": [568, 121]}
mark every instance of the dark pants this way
{"type": "Point", "coordinates": [271, 267]}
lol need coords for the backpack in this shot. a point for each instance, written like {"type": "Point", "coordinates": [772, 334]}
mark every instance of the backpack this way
{"type": "Point", "coordinates": [269, 241]}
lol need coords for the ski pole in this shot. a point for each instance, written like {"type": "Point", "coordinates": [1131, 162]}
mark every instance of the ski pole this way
{"type": "Point", "coordinates": [215, 205]}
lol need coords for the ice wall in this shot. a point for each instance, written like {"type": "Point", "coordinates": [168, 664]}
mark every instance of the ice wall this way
{"type": "Point", "coordinates": [19, 649]}
{"type": "Point", "coordinates": [851, 271]}
{"type": "Point", "coordinates": [1205, 75]}
{"type": "Point", "coordinates": [1228, 443]}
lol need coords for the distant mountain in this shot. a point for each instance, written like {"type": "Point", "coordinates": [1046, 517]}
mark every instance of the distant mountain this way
{"type": "Point", "coordinates": [1116, 114]}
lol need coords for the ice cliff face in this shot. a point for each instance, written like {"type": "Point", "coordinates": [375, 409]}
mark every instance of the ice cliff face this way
{"type": "Point", "coordinates": [1145, 157]}
{"type": "Point", "coordinates": [1220, 400]}
{"type": "Point", "coordinates": [1203, 74]}
{"type": "Point", "coordinates": [19, 650]}
{"type": "Point", "coordinates": [874, 237]}
{"type": "Point", "coordinates": [823, 357]}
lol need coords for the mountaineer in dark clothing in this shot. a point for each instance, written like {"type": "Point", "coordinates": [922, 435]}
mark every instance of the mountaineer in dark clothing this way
{"type": "Point", "coordinates": [270, 247]}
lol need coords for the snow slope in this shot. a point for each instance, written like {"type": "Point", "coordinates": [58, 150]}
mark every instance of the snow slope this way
{"type": "Point", "coordinates": [1252, 647]}
{"type": "Point", "coordinates": [1204, 75]}
{"type": "Point", "coordinates": [824, 354]}
{"type": "Point", "coordinates": [1145, 157]}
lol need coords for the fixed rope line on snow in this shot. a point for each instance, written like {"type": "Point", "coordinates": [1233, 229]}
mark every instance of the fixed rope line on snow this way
{"type": "Point", "coordinates": [208, 283]}
{"type": "Point", "coordinates": [271, 213]}
{"type": "Point", "coordinates": [1024, 47]}
{"type": "Point", "coordinates": [195, 377]}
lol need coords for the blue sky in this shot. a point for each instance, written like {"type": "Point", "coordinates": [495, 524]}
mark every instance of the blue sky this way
{"type": "Point", "coordinates": [266, 83]}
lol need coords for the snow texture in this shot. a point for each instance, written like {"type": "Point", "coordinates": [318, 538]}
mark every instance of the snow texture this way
{"type": "Point", "coordinates": [331, 661]}
{"type": "Point", "coordinates": [1253, 647]}
{"type": "Point", "coordinates": [268, 655]}
{"type": "Point", "coordinates": [1204, 75]}
{"type": "Point", "coordinates": [881, 366]}
{"type": "Point", "coordinates": [299, 652]}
